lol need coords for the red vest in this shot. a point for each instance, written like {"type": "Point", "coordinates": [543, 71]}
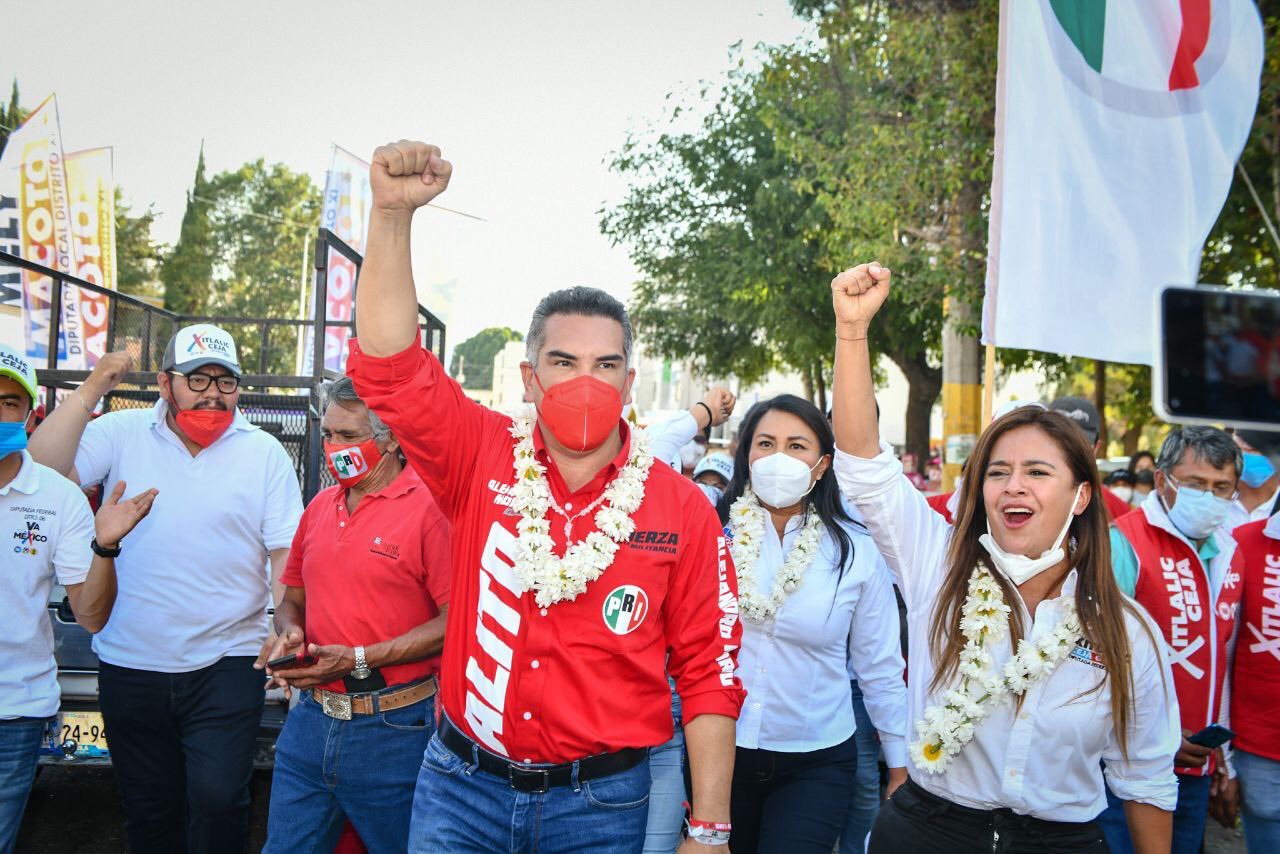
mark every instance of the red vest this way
{"type": "Point", "coordinates": [1255, 680]}
{"type": "Point", "coordinates": [1175, 590]}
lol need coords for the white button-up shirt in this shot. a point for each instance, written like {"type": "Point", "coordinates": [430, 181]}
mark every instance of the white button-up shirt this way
{"type": "Point", "coordinates": [795, 667]}
{"type": "Point", "coordinates": [193, 578]}
{"type": "Point", "coordinates": [1044, 759]}
{"type": "Point", "coordinates": [1240, 515]}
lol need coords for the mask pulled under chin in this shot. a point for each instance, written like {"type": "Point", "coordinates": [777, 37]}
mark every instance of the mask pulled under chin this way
{"type": "Point", "coordinates": [581, 412]}
{"type": "Point", "coordinates": [1019, 568]}
{"type": "Point", "coordinates": [204, 426]}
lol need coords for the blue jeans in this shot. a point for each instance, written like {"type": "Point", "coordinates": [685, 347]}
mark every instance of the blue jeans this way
{"type": "Point", "coordinates": [363, 769]}
{"type": "Point", "coordinates": [1188, 818]}
{"type": "Point", "coordinates": [865, 802]}
{"type": "Point", "coordinates": [19, 747]}
{"type": "Point", "coordinates": [1260, 791]}
{"type": "Point", "coordinates": [667, 794]}
{"type": "Point", "coordinates": [459, 808]}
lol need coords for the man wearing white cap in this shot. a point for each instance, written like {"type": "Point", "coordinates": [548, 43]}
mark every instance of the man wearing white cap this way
{"type": "Point", "coordinates": [48, 533]}
{"type": "Point", "coordinates": [179, 689]}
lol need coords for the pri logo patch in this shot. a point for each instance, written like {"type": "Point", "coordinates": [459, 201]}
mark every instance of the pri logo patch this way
{"type": "Point", "coordinates": [625, 609]}
{"type": "Point", "coordinates": [349, 462]}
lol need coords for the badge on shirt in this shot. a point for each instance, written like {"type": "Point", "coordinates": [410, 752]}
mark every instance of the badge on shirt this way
{"type": "Point", "coordinates": [625, 609]}
{"type": "Point", "coordinates": [27, 538]}
{"type": "Point", "coordinates": [382, 547]}
{"type": "Point", "coordinates": [1085, 654]}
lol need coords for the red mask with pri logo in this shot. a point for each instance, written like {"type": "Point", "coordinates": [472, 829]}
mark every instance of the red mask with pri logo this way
{"type": "Point", "coordinates": [580, 412]}
{"type": "Point", "coordinates": [350, 464]}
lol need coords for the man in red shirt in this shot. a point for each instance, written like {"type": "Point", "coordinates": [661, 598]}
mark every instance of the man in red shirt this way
{"type": "Point", "coordinates": [580, 569]}
{"type": "Point", "coordinates": [366, 595]}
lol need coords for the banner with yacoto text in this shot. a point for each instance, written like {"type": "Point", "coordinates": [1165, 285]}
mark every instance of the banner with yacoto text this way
{"type": "Point", "coordinates": [32, 171]}
{"type": "Point", "coordinates": [91, 188]}
{"type": "Point", "coordinates": [347, 201]}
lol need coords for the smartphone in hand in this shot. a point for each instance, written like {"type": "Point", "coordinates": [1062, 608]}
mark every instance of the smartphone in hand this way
{"type": "Point", "coordinates": [298, 659]}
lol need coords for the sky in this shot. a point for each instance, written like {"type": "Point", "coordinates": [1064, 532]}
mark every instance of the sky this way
{"type": "Point", "coordinates": [527, 99]}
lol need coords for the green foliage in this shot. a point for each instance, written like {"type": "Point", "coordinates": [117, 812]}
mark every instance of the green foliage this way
{"type": "Point", "coordinates": [188, 271]}
{"type": "Point", "coordinates": [138, 258]}
{"type": "Point", "coordinates": [11, 115]}
{"type": "Point", "coordinates": [475, 355]}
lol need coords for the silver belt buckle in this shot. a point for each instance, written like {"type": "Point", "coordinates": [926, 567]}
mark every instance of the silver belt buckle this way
{"type": "Point", "coordinates": [336, 705]}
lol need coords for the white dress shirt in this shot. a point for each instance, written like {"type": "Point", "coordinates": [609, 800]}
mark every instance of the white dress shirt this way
{"type": "Point", "coordinates": [795, 667]}
{"type": "Point", "coordinates": [1043, 759]}
{"type": "Point", "coordinates": [1240, 515]}
{"type": "Point", "coordinates": [194, 584]}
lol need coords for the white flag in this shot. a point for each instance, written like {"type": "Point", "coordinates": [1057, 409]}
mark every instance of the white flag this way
{"type": "Point", "coordinates": [1118, 126]}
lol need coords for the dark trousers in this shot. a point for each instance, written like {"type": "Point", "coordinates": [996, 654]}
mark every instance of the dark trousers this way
{"type": "Point", "coordinates": [917, 822]}
{"type": "Point", "coordinates": [791, 802]}
{"type": "Point", "coordinates": [182, 747]}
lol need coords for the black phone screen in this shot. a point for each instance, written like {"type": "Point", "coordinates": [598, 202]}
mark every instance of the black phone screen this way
{"type": "Point", "coordinates": [1221, 355]}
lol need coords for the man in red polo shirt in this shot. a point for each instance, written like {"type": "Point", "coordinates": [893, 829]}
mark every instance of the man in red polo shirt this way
{"type": "Point", "coordinates": [580, 569]}
{"type": "Point", "coordinates": [367, 591]}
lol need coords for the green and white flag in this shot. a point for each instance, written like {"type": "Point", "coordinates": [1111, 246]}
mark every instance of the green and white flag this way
{"type": "Point", "coordinates": [1118, 126]}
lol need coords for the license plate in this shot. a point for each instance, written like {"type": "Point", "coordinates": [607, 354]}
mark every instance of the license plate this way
{"type": "Point", "coordinates": [82, 734]}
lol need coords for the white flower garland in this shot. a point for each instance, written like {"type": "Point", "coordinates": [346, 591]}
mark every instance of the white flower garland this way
{"type": "Point", "coordinates": [946, 728]}
{"type": "Point", "coordinates": [747, 521]}
{"type": "Point", "coordinates": [537, 568]}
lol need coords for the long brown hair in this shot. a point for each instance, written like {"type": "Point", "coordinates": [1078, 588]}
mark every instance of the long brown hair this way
{"type": "Point", "coordinates": [1099, 603]}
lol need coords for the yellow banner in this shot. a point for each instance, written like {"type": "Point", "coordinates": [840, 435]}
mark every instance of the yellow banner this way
{"type": "Point", "coordinates": [91, 188]}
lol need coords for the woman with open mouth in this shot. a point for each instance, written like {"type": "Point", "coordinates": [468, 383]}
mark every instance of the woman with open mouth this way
{"type": "Point", "coordinates": [1030, 675]}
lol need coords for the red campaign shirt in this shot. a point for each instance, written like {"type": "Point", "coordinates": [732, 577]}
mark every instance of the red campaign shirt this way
{"type": "Point", "coordinates": [559, 683]}
{"type": "Point", "coordinates": [375, 574]}
{"type": "Point", "coordinates": [1255, 679]}
{"type": "Point", "coordinates": [1116, 506]}
{"type": "Point", "coordinates": [939, 504]}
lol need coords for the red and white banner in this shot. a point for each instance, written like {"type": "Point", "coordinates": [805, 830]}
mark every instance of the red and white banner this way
{"type": "Point", "coordinates": [347, 200]}
{"type": "Point", "coordinates": [91, 187]}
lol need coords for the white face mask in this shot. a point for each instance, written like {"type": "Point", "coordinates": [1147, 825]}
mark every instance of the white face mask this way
{"type": "Point", "coordinates": [1124, 493]}
{"type": "Point", "coordinates": [780, 480]}
{"type": "Point", "coordinates": [1020, 568]}
{"type": "Point", "coordinates": [691, 453]}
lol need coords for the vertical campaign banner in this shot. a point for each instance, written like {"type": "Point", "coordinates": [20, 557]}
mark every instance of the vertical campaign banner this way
{"type": "Point", "coordinates": [348, 198]}
{"type": "Point", "coordinates": [91, 189]}
{"type": "Point", "coordinates": [33, 172]}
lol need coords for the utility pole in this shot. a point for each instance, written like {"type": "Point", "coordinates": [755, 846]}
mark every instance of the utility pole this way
{"type": "Point", "coordinates": [962, 358]}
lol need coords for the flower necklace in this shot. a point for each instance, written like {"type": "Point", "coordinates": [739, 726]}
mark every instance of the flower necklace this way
{"type": "Point", "coordinates": [555, 579]}
{"type": "Point", "coordinates": [747, 520]}
{"type": "Point", "coordinates": [947, 727]}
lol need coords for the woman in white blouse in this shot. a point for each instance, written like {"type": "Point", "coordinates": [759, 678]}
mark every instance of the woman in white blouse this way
{"type": "Point", "coordinates": [813, 595]}
{"type": "Point", "coordinates": [1007, 750]}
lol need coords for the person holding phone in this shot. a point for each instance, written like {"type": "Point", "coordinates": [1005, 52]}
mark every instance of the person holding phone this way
{"type": "Point", "coordinates": [361, 626]}
{"type": "Point", "coordinates": [1176, 558]}
{"type": "Point", "coordinates": [1028, 668]}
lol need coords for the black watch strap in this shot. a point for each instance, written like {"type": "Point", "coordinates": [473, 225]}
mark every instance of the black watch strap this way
{"type": "Point", "coordinates": [100, 551]}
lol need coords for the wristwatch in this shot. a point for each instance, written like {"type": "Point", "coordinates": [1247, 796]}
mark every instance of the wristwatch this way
{"type": "Point", "coordinates": [361, 670]}
{"type": "Point", "coordinates": [103, 551]}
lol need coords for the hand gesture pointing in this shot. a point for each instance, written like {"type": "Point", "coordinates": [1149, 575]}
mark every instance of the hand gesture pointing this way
{"type": "Point", "coordinates": [406, 175]}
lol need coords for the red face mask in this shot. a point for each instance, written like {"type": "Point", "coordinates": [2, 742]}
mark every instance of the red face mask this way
{"type": "Point", "coordinates": [204, 426]}
{"type": "Point", "coordinates": [580, 412]}
{"type": "Point", "coordinates": [350, 464]}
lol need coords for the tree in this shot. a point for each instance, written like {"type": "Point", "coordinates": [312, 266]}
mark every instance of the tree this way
{"type": "Point", "coordinates": [138, 257]}
{"type": "Point", "coordinates": [475, 355]}
{"type": "Point", "coordinates": [11, 116]}
{"type": "Point", "coordinates": [187, 272]}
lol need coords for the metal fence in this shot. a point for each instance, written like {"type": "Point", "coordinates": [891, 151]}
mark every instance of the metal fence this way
{"type": "Point", "coordinates": [282, 402]}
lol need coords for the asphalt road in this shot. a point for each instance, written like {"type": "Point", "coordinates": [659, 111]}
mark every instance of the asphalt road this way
{"type": "Point", "coordinates": [74, 810]}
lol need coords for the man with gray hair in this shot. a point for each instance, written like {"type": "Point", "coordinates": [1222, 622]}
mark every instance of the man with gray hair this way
{"type": "Point", "coordinates": [361, 625]}
{"type": "Point", "coordinates": [1178, 560]}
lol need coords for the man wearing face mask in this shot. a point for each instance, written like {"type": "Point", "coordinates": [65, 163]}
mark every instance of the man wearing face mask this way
{"type": "Point", "coordinates": [583, 571]}
{"type": "Point", "coordinates": [1259, 488]}
{"type": "Point", "coordinates": [1177, 559]}
{"type": "Point", "coordinates": [366, 594]}
{"type": "Point", "coordinates": [180, 696]}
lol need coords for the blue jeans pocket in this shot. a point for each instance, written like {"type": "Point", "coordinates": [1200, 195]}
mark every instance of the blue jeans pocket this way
{"type": "Point", "coordinates": [412, 718]}
{"type": "Point", "coordinates": [624, 791]}
{"type": "Point", "coordinates": [441, 759]}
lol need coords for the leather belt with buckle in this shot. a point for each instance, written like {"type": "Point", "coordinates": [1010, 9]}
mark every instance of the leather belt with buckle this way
{"type": "Point", "coordinates": [342, 706]}
{"type": "Point", "coordinates": [539, 778]}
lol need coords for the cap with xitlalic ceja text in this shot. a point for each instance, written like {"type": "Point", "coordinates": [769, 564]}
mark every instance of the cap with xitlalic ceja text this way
{"type": "Point", "coordinates": [19, 368]}
{"type": "Point", "coordinates": [199, 345]}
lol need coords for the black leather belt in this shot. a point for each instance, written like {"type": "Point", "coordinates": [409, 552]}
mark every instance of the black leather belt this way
{"type": "Point", "coordinates": [537, 778]}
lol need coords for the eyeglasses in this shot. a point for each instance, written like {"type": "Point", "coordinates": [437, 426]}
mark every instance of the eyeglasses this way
{"type": "Point", "coordinates": [201, 382]}
{"type": "Point", "coordinates": [1226, 493]}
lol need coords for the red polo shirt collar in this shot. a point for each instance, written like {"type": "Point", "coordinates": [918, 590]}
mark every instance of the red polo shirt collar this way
{"type": "Point", "coordinates": [593, 487]}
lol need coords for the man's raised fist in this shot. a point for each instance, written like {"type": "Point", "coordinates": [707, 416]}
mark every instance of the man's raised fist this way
{"type": "Point", "coordinates": [406, 175]}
